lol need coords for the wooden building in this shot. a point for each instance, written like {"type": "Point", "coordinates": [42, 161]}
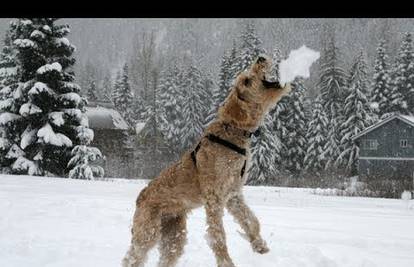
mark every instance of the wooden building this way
{"type": "Point", "coordinates": [387, 150]}
{"type": "Point", "coordinates": [114, 137]}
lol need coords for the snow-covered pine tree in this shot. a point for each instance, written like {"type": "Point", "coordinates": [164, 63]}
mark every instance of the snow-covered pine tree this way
{"type": "Point", "coordinates": [296, 126]}
{"type": "Point", "coordinates": [265, 150]}
{"type": "Point", "coordinates": [85, 158]}
{"type": "Point", "coordinates": [250, 48]}
{"type": "Point", "coordinates": [193, 106]}
{"type": "Point", "coordinates": [8, 83]}
{"type": "Point", "coordinates": [106, 88]}
{"type": "Point", "coordinates": [92, 91]}
{"type": "Point", "coordinates": [51, 112]}
{"type": "Point", "coordinates": [332, 86]}
{"type": "Point", "coordinates": [169, 103]}
{"type": "Point", "coordinates": [276, 59]}
{"type": "Point", "coordinates": [314, 161]}
{"type": "Point", "coordinates": [357, 116]}
{"type": "Point", "coordinates": [402, 82]}
{"type": "Point", "coordinates": [380, 92]}
{"type": "Point", "coordinates": [122, 96]}
{"type": "Point", "coordinates": [220, 92]}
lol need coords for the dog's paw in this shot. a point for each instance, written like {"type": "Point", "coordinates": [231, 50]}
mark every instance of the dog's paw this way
{"type": "Point", "coordinates": [259, 246]}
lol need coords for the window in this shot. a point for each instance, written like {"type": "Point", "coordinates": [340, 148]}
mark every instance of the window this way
{"type": "Point", "coordinates": [371, 144]}
{"type": "Point", "coordinates": [403, 143]}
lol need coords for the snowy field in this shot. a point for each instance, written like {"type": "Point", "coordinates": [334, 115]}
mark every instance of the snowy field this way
{"type": "Point", "coordinates": [61, 222]}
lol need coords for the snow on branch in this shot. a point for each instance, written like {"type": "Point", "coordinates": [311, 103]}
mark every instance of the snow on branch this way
{"type": "Point", "coordinates": [49, 67]}
{"type": "Point", "coordinates": [48, 136]}
{"type": "Point", "coordinates": [7, 117]}
{"type": "Point", "coordinates": [29, 109]}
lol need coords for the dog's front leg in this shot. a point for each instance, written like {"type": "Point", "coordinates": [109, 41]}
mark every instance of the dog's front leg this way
{"type": "Point", "coordinates": [214, 206]}
{"type": "Point", "coordinates": [248, 222]}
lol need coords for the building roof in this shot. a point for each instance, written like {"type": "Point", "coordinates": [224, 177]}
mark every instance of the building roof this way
{"type": "Point", "coordinates": [404, 118]}
{"type": "Point", "coordinates": [105, 118]}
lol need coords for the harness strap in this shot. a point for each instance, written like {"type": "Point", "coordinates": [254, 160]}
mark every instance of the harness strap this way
{"type": "Point", "coordinates": [194, 152]}
{"type": "Point", "coordinates": [243, 169]}
{"type": "Point", "coordinates": [216, 139]}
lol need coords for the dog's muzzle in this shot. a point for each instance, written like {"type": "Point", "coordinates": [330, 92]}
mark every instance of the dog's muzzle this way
{"type": "Point", "coordinates": [271, 85]}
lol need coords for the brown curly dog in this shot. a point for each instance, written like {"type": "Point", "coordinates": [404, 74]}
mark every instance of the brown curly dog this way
{"type": "Point", "coordinates": [210, 175]}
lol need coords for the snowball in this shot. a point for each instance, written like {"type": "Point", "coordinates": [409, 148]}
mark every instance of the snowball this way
{"type": "Point", "coordinates": [297, 64]}
{"type": "Point", "coordinates": [49, 67]}
{"type": "Point", "coordinates": [48, 136]}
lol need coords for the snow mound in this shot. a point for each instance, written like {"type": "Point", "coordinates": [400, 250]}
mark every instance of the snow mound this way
{"type": "Point", "coordinates": [297, 64]}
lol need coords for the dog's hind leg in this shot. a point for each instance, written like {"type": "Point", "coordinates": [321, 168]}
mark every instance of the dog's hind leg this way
{"type": "Point", "coordinates": [248, 222]}
{"type": "Point", "coordinates": [145, 234]}
{"type": "Point", "coordinates": [173, 239]}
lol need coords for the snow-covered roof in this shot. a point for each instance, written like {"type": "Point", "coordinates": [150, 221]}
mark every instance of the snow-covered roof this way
{"type": "Point", "coordinates": [105, 118]}
{"type": "Point", "coordinates": [404, 118]}
{"type": "Point", "coordinates": [139, 126]}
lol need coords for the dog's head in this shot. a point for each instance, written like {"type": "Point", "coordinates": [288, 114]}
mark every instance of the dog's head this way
{"type": "Point", "coordinates": [252, 96]}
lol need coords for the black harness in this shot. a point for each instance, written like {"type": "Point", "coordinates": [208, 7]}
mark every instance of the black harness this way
{"type": "Point", "coordinates": [218, 140]}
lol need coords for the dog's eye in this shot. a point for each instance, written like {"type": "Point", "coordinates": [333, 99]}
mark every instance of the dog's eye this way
{"type": "Point", "coordinates": [246, 82]}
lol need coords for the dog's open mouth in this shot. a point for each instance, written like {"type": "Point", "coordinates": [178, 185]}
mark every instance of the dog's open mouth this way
{"type": "Point", "coordinates": [271, 84]}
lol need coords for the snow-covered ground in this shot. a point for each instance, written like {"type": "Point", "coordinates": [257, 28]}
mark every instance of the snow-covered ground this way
{"type": "Point", "coordinates": [62, 222]}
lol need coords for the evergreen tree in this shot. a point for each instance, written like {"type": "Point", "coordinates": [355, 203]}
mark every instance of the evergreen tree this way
{"type": "Point", "coordinates": [250, 48]}
{"type": "Point", "coordinates": [265, 149]}
{"type": "Point", "coordinates": [122, 96]}
{"type": "Point", "coordinates": [169, 102]}
{"type": "Point", "coordinates": [92, 92]}
{"type": "Point", "coordinates": [106, 88]}
{"type": "Point", "coordinates": [48, 113]}
{"type": "Point", "coordinates": [357, 114]}
{"type": "Point", "coordinates": [402, 86]}
{"type": "Point", "coordinates": [315, 161]}
{"type": "Point", "coordinates": [8, 83]}
{"type": "Point", "coordinates": [295, 141]}
{"type": "Point", "coordinates": [221, 91]}
{"type": "Point", "coordinates": [83, 164]}
{"type": "Point", "coordinates": [332, 86]}
{"type": "Point", "coordinates": [276, 59]}
{"type": "Point", "coordinates": [193, 106]}
{"type": "Point", "coordinates": [380, 92]}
